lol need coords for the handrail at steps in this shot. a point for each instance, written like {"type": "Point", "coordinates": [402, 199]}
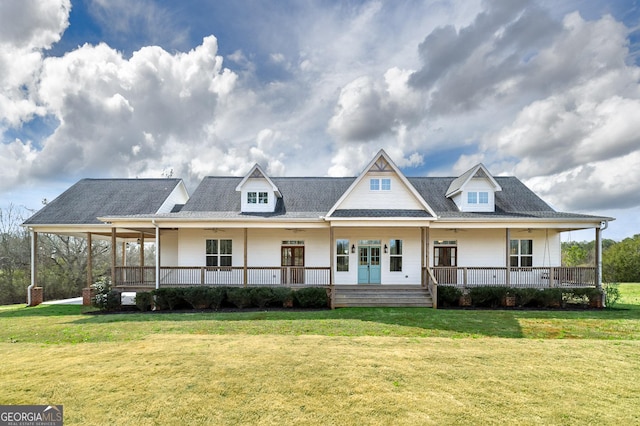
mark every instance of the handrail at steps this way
{"type": "Point", "coordinates": [432, 285]}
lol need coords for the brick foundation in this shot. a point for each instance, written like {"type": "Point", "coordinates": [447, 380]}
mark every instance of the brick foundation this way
{"type": "Point", "coordinates": [87, 295]}
{"type": "Point", "coordinates": [37, 296]}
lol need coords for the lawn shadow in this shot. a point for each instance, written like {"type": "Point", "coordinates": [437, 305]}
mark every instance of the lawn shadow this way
{"type": "Point", "coordinates": [20, 311]}
{"type": "Point", "coordinates": [428, 322]}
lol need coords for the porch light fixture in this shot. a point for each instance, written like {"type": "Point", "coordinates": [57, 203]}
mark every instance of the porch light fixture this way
{"type": "Point", "coordinates": [353, 248]}
{"type": "Point", "coordinates": [386, 249]}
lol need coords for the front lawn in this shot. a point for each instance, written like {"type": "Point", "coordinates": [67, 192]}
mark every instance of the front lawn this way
{"type": "Point", "coordinates": [347, 366]}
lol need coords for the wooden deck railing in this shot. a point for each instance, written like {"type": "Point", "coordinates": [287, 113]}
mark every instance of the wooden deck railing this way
{"type": "Point", "coordinates": [185, 276]}
{"type": "Point", "coordinates": [430, 281]}
{"type": "Point", "coordinates": [534, 277]}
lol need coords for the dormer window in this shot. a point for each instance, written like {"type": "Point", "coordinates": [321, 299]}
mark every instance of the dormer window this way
{"type": "Point", "coordinates": [257, 197]}
{"type": "Point", "coordinates": [380, 184]}
{"type": "Point", "coordinates": [481, 197]}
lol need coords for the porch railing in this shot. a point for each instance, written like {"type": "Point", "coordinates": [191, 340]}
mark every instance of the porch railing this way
{"type": "Point", "coordinates": [185, 276]}
{"type": "Point", "coordinates": [430, 281]}
{"type": "Point", "coordinates": [533, 277]}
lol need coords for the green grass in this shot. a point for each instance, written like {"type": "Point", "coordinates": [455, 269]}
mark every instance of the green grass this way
{"type": "Point", "coordinates": [347, 366]}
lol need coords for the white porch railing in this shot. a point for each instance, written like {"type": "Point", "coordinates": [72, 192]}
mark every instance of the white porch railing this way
{"type": "Point", "coordinates": [185, 276]}
{"type": "Point", "coordinates": [534, 277]}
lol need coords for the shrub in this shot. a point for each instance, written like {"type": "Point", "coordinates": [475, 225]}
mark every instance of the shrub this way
{"type": "Point", "coordinates": [311, 297]}
{"type": "Point", "coordinates": [261, 296]}
{"type": "Point", "coordinates": [448, 296]}
{"type": "Point", "coordinates": [239, 296]}
{"type": "Point", "coordinates": [611, 294]}
{"type": "Point", "coordinates": [488, 296]}
{"type": "Point", "coordinates": [204, 297]}
{"type": "Point", "coordinates": [143, 300]}
{"type": "Point", "coordinates": [283, 296]}
{"type": "Point", "coordinates": [105, 299]}
{"type": "Point", "coordinates": [528, 297]}
{"type": "Point", "coordinates": [168, 298]}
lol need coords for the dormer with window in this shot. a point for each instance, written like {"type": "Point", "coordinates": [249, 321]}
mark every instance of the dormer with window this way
{"type": "Point", "coordinates": [474, 191]}
{"type": "Point", "coordinates": [259, 194]}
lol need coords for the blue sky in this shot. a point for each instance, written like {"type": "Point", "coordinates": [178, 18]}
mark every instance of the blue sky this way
{"type": "Point", "coordinates": [544, 90]}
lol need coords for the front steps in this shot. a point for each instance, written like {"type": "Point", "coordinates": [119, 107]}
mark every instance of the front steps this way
{"type": "Point", "coordinates": [347, 296]}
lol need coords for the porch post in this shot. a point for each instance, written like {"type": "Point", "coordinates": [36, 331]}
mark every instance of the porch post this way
{"type": "Point", "coordinates": [598, 258]}
{"type": "Point", "coordinates": [34, 267]}
{"type": "Point", "coordinates": [114, 257]}
{"type": "Point", "coordinates": [332, 254]}
{"type": "Point", "coordinates": [124, 253]}
{"type": "Point", "coordinates": [157, 255]}
{"type": "Point", "coordinates": [508, 257]}
{"type": "Point", "coordinates": [89, 260]}
{"type": "Point", "coordinates": [245, 271]}
{"type": "Point", "coordinates": [423, 279]}
{"type": "Point", "coordinates": [142, 249]}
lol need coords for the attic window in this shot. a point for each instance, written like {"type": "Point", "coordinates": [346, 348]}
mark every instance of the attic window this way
{"type": "Point", "coordinates": [481, 197]}
{"type": "Point", "coordinates": [257, 198]}
{"type": "Point", "coordinates": [380, 184]}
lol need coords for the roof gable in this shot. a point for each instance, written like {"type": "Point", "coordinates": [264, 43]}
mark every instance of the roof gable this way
{"type": "Point", "coordinates": [381, 167]}
{"type": "Point", "coordinates": [477, 171]}
{"type": "Point", "coordinates": [256, 172]}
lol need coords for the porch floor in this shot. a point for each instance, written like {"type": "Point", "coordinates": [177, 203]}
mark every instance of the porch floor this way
{"type": "Point", "coordinates": [381, 296]}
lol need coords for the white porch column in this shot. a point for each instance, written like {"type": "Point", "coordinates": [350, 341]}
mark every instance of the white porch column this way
{"type": "Point", "coordinates": [114, 257]}
{"type": "Point", "coordinates": [599, 257]}
{"type": "Point", "coordinates": [332, 255]}
{"type": "Point", "coordinates": [34, 261]}
{"type": "Point", "coordinates": [157, 254]}
{"type": "Point", "coordinates": [245, 271]}
{"type": "Point", "coordinates": [89, 260]}
{"type": "Point", "coordinates": [508, 256]}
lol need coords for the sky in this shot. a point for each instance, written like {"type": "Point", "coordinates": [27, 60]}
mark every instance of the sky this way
{"type": "Point", "coordinates": [543, 90]}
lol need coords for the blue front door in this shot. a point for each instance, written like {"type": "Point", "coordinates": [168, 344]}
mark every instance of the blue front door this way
{"type": "Point", "coordinates": [369, 265]}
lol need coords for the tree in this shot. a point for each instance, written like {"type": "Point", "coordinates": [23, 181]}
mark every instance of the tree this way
{"type": "Point", "coordinates": [14, 256]}
{"type": "Point", "coordinates": [621, 261]}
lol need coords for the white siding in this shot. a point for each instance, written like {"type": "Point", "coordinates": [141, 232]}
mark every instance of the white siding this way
{"type": "Point", "coordinates": [399, 197]}
{"type": "Point", "coordinates": [258, 185]}
{"type": "Point", "coordinates": [192, 243]}
{"type": "Point", "coordinates": [411, 252]}
{"type": "Point", "coordinates": [476, 185]}
{"type": "Point", "coordinates": [168, 248]}
{"type": "Point", "coordinates": [179, 195]}
{"type": "Point", "coordinates": [265, 246]}
{"type": "Point", "coordinates": [487, 247]}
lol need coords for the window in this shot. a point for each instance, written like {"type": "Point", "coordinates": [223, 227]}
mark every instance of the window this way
{"type": "Point", "coordinates": [219, 252]}
{"type": "Point", "coordinates": [263, 198]}
{"type": "Point", "coordinates": [483, 197]}
{"type": "Point", "coordinates": [521, 253]}
{"type": "Point", "coordinates": [472, 198]}
{"type": "Point", "coordinates": [385, 184]}
{"type": "Point", "coordinates": [342, 255]}
{"type": "Point", "coordinates": [395, 255]}
{"type": "Point", "coordinates": [380, 184]}
{"type": "Point", "coordinates": [252, 197]}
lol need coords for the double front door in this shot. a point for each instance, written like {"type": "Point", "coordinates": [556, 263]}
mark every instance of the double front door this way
{"type": "Point", "coordinates": [369, 265]}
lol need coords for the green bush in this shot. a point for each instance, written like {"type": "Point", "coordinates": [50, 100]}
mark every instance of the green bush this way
{"type": "Point", "coordinates": [204, 297]}
{"type": "Point", "coordinates": [488, 296]}
{"type": "Point", "coordinates": [169, 298]}
{"type": "Point", "coordinates": [240, 297]}
{"type": "Point", "coordinates": [528, 297]}
{"type": "Point", "coordinates": [282, 296]}
{"type": "Point", "coordinates": [448, 296]}
{"type": "Point", "coordinates": [611, 294]}
{"type": "Point", "coordinates": [144, 300]}
{"type": "Point", "coordinates": [261, 296]}
{"type": "Point", "coordinates": [311, 297]}
{"type": "Point", "coordinates": [105, 299]}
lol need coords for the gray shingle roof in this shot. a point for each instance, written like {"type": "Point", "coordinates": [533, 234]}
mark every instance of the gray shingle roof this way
{"type": "Point", "coordinates": [88, 199]}
{"type": "Point", "coordinates": [301, 197]}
